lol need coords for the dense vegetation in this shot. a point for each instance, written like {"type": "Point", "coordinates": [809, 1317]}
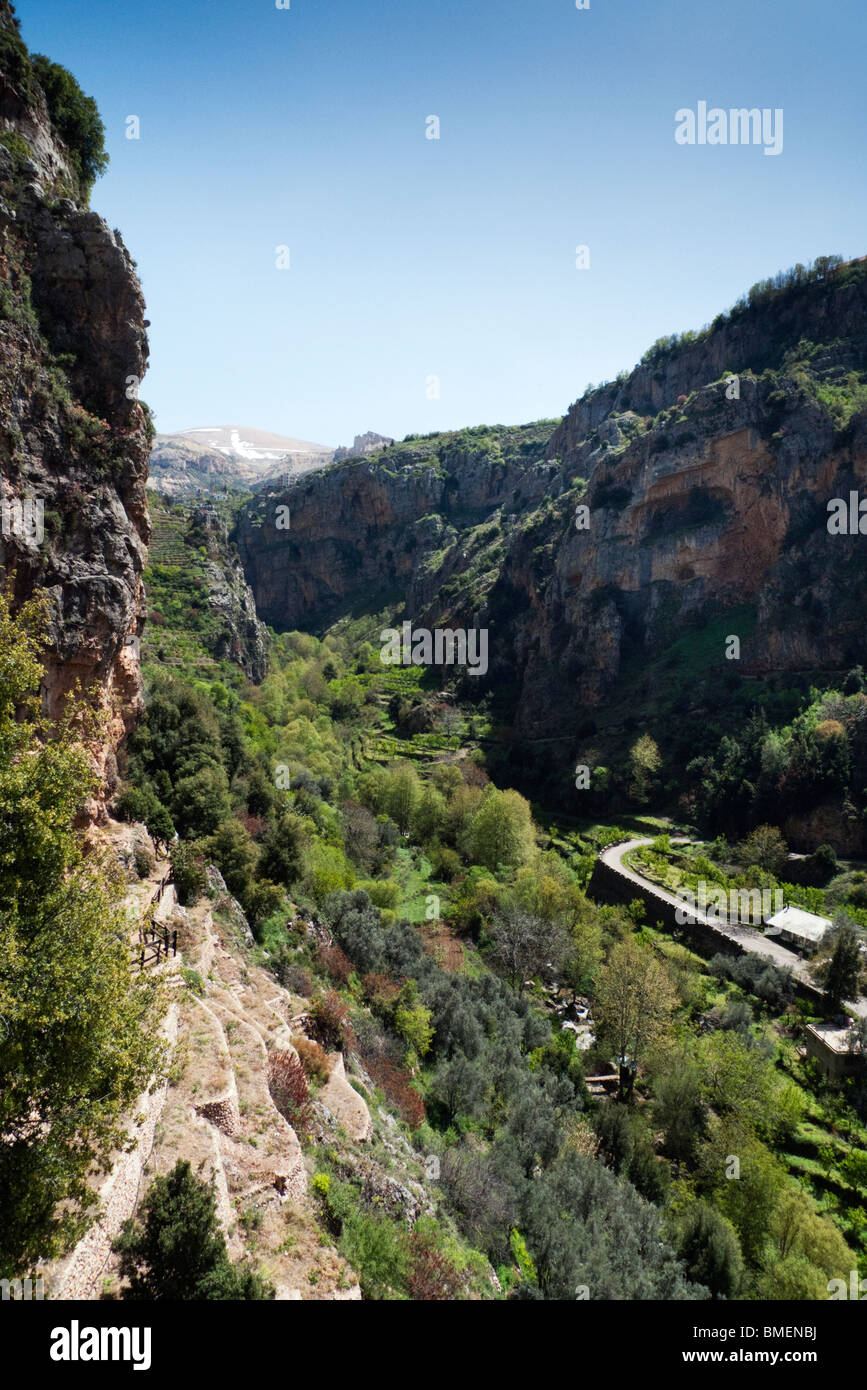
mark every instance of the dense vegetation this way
{"type": "Point", "coordinates": [79, 1040]}
{"type": "Point", "coordinates": [460, 923]}
{"type": "Point", "coordinates": [764, 293]}
{"type": "Point", "coordinates": [77, 121]}
{"type": "Point", "coordinates": [74, 116]}
{"type": "Point", "coordinates": [176, 1249]}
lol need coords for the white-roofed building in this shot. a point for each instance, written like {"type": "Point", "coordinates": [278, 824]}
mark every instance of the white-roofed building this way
{"type": "Point", "coordinates": [836, 1049]}
{"type": "Point", "coordinates": [802, 930]}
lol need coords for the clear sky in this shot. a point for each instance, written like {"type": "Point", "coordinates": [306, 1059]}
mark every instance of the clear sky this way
{"type": "Point", "coordinates": [456, 258]}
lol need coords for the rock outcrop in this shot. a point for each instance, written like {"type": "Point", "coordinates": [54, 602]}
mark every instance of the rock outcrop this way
{"type": "Point", "coordinates": [367, 443]}
{"type": "Point", "coordinates": [362, 533]}
{"type": "Point", "coordinates": [241, 638]}
{"type": "Point", "coordinates": [705, 496]}
{"type": "Point", "coordinates": [74, 438]}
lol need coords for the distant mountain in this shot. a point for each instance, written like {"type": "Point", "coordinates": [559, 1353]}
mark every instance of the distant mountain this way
{"type": "Point", "coordinates": [236, 457]}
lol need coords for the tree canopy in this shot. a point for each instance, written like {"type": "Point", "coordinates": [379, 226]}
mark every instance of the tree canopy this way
{"type": "Point", "coordinates": [79, 1038]}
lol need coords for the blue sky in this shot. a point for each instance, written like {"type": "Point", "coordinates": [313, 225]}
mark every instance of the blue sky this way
{"type": "Point", "coordinates": [412, 258]}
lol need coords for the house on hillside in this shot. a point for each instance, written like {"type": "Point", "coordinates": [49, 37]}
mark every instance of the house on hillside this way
{"type": "Point", "coordinates": [836, 1049]}
{"type": "Point", "coordinates": [801, 930]}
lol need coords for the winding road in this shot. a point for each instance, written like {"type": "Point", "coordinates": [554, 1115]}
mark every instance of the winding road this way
{"type": "Point", "coordinates": [748, 938]}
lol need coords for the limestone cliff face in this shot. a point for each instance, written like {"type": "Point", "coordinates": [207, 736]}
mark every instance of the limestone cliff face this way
{"type": "Point", "coordinates": [73, 437]}
{"type": "Point", "coordinates": [241, 637]}
{"type": "Point", "coordinates": [359, 534]}
{"type": "Point", "coordinates": [715, 506]}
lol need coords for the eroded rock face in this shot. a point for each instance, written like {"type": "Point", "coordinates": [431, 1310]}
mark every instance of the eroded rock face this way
{"type": "Point", "coordinates": [73, 437]}
{"type": "Point", "coordinates": [723, 511]}
{"type": "Point", "coordinates": [362, 532]}
{"type": "Point", "coordinates": [242, 637]}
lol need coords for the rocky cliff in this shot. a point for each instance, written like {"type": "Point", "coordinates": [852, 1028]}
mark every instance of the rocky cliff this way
{"type": "Point", "coordinates": [363, 533]}
{"type": "Point", "coordinates": [367, 443]}
{"type": "Point", "coordinates": [612, 558]}
{"type": "Point", "coordinates": [240, 636]}
{"type": "Point", "coordinates": [200, 608]}
{"type": "Point", "coordinates": [74, 438]}
{"type": "Point", "coordinates": [706, 477]}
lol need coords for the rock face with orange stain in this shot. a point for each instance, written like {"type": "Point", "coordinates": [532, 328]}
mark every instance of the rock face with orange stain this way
{"type": "Point", "coordinates": [722, 510]}
{"type": "Point", "coordinates": [74, 438]}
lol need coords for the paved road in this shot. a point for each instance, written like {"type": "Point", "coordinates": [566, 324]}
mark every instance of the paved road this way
{"type": "Point", "coordinates": [749, 938]}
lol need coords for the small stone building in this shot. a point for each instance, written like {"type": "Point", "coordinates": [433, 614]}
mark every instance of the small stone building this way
{"type": "Point", "coordinates": [834, 1047]}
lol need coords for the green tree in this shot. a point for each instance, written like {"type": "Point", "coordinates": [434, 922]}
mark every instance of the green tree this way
{"type": "Point", "coordinates": [738, 1079]}
{"type": "Point", "coordinates": [413, 1022]}
{"type": "Point", "coordinates": [765, 848]}
{"type": "Point", "coordinates": [176, 1250]}
{"type": "Point", "coordinates": [679, 1108]}
{"type": "Point", "coordinates": [77, 120]}
{"type": "Point", "coordinates": [644, 762]}
{"type": "Point", "coordinates": [188, 872]}
{"type": "Point", "coordinates": [283, 847]}
{"type": "Point", "coordinates": [710, 1249]}
{"type": "Point", "coordinates": [79, 1033]}
{"type": "Point", "coordinates": [201, 801]}
{"type": "Point", "coordinates": [746, 1183]}
{"type": "Point", "coordinates": [234, 852]}
{"type": "Point", "coordinates": [524, 946]}
{"type": "Point", "coordinates": [634, 1004]}
{"type": "Point", "coordinates": [402, 795]}
{"type": "Point", "coordinates": [430, 815]}
{"type": "Point", "coordinates": [501, 831]}
{"type": "Point", "coordinates": [840, 974]}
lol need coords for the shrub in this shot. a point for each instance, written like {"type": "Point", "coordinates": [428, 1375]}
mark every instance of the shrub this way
{"type": "Point", "coordinates": [188, 873]}
{"type": "Point", "coordinates": [432, 1275]}
{"type": "Point", "coordinates": [143, 860]}
{"type": "Point", "coordinates": [335, 963]}
{"type": "Point", "coordinates": [15, 62]}
{"type": "Point", "coordinates": [331, 1020]}
{"type": "Point", "coordinates": [446, 863]}
{"type": "Point", "coordinates": [384, 893]}
{"type": "Point", "coordinates": [289, 1090]}
{"type": "Point", "coordinates": [382, 993]}
{"type": "Point", "coordinates": [193, 980]}
{"type": "Point", "coordinates": [376, 1249]}
{"type": "Point", "coordinates": [177, 1250]}
{"type": "Point", "coordinates": [312, 1058]}
{"type": "Point", "coordinates": [396, 1082]}
{"type": "Point", "coordinates": [710, 1249]}
{"type": "Point", "coordinates": [261, 900]}
{"type": "Point", "coordinates": [771, 983]}
{"type": "Point", "coordinates": [133, 804]}
{"type": "Point", "coordinates": [291, 976]}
